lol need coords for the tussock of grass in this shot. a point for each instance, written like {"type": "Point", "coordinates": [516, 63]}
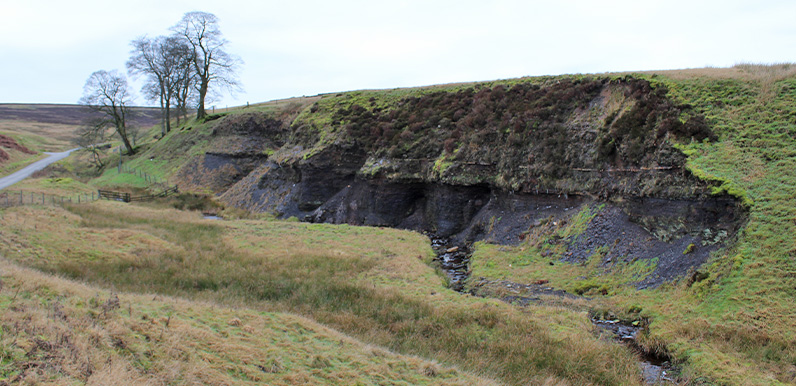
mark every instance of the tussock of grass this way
{"type": "Point", "coordinates": [55, 330]}
{"type": "Point", "coordinates": [371, 283]}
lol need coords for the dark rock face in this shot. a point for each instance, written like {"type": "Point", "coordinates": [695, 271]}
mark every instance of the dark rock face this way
{"type": "Point", "coordinates": [680, 234]}
{"type": "Point", "coordinates": [439, 209]}
{"type": "Point", "coordinates": [218, 171]}
{"type": "Point", "coordinates": [488, 163]}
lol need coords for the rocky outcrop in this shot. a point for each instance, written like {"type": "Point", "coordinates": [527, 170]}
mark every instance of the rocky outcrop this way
{"type": "Point", "coordinates": [485, 161]}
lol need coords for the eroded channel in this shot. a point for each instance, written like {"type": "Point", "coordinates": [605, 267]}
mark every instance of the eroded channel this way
{"type": "Point", "coordinates": [655, 369]}
{"type": "Point", "coordinates": [454, 261]}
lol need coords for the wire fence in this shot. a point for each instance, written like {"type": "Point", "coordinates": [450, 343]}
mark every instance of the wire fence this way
{"type": "Point", "coordinates": [142, 174]}
{"type": "Point", "coordinates": [17, 198]}
{"type": "Point", "coordinates": [12, 198]}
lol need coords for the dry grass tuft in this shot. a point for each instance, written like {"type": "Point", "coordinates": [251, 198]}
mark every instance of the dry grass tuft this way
{"type": "Point", "coordinates": [56, 331]}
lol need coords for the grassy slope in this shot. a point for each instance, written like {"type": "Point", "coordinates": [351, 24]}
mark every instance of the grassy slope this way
{"type": "Point", "coordinates": [744, 311]}
{"type": "Point", "coordinates": [78, 334]}
{"type": "Point", "coordinates": [17, 160]}
{"type": "Point", "coordinates": [368, 282]}
{"type": "Point", "coordinates": [737, 325]}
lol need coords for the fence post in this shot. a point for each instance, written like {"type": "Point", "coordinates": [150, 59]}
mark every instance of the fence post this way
{"type": "Point", "coordinates": [42, 198]}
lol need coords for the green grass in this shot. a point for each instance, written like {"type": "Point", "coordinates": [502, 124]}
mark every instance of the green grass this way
{"type": "Point", "coordinates": [18, 160]}
{"type": "Point", "coordinates": [371, 283]}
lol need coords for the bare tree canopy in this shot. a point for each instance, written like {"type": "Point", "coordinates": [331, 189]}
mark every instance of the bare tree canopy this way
{"type": "Point", "coordinates": [108, 94]}
{"type": "Point", "coordinates": [89, 137]}
{"type": "Point", "coordinates": [212, 64]}
{"type": "Point", "coordinates": [167, 64]}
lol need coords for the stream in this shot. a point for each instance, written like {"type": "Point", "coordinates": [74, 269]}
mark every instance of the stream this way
{"type": "Point", "coordinates": [454, 261]}
{"type": "Point", "coordinates": [655, 369]}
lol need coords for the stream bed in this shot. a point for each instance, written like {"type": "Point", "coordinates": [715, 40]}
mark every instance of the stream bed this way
{"type": "Point", "coordinates": [454, 261]}
{"type": "Point", "coordinates": [655, 369]}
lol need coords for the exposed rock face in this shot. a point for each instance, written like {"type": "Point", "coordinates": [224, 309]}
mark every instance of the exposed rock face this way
{"type": "Point", "coordinates": [240, 144]}
{"type": "Point", "coordinates": [485, 162]}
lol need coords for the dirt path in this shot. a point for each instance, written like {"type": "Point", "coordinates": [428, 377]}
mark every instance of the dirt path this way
{"type": "Point", "coordinates": [32, 168]}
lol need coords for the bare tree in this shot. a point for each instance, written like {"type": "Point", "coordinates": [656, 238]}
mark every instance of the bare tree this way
{"type": "Point", "coordinates": [107, 94]}
{"type": "Point", "coordinates": [89, 137]}
{"type": "Point", "coordinates": [184, 79]}
{"type": "Point", "coordinates": [186, 94]}
{"type": "Point", "coordinates": [212, 65]}
{"type": "Point", "coordinates": [164, 61]}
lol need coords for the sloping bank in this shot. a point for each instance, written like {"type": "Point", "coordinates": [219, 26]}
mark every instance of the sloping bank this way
{"type": "Point", "coordinates": [487, 161]}
{"type": "Point", "coordinates": [584, 174]}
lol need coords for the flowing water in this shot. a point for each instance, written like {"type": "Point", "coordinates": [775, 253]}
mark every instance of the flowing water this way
{"type": "Point", "coordinates": [655, 369]}
{"type": "Point", "coordinates": [454, 260]}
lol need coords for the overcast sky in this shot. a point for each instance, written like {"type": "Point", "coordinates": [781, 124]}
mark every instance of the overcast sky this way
{"type": "Point", "coordinates": [298, 47]}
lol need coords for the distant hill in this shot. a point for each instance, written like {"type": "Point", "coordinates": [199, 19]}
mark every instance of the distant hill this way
{"type": "Point", "coordinates": [51, 127]}
{"type": "Point", "coordinates": [68, 114]}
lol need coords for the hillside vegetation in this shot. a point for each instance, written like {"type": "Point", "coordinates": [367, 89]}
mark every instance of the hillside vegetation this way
{"type": "Point", "coordinates": [371, 283]}
{"type": "Point", "coordinates": [77, 334]}
{"type": "Point", "coordinates": [665, 199]}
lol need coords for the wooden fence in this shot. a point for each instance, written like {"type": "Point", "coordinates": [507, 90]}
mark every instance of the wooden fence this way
{"type": "Point", "coordinates": [127, 197]}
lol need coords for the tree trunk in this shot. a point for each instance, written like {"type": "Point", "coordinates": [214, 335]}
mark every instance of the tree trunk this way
{"type": "Point", "coordinates": [200, 112]}
{"type": "Point", "coordinates": [127, 145]}
{"type": "Point", "coordinates": [163, 117]}
{"type": "Point", "coordinates": [168, 116]}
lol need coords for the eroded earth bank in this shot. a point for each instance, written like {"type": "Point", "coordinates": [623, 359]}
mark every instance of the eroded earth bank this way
{"type": "Point", "coordinates": [487, 162]}
{"type": "Point", "coordinates": [580, 171]}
